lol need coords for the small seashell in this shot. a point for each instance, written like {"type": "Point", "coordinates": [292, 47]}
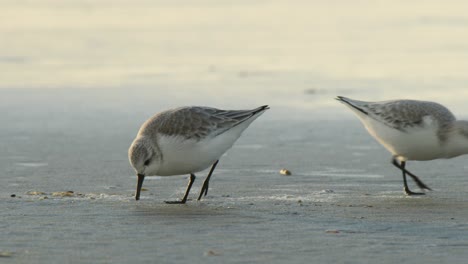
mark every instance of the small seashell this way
{"type": "Point", "coordinates": [6, 254]}
{"type": "Point", "coordinates": [211, 253]}
{"type": "Point", "coordinates": [285, 172]}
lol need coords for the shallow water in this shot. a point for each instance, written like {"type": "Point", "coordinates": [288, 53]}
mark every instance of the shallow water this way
{"type": "Point", "coordinates": [79, 78]}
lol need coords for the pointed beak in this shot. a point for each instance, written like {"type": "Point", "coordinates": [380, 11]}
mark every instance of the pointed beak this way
{"type": "Point", "coordinates": [141, 177]}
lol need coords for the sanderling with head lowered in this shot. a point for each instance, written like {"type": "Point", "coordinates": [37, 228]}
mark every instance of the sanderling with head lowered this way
{"type": "Point", "coordinates": [187, 140]}
{"type": "Point", "coordinates": [412, 130]}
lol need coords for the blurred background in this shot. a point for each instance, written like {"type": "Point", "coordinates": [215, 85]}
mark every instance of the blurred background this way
{"type": "Point", "coordinates": [79, 77]}
{"type": "Point", "coordinates": [148, 55]}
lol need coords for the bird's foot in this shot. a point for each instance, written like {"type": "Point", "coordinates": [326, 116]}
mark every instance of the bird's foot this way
{"type": "Point", "coordinates": [411, 193]}
{"type": "Point", "coordinates": [176, 202]}
{"type": "Point", "coordinates": [203, 192]}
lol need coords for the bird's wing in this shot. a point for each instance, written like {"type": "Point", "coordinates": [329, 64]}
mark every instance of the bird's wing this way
{"type": "Point", "coordinates": [197, 122]}
{"type": "Point", "coordinates": [402, 114]}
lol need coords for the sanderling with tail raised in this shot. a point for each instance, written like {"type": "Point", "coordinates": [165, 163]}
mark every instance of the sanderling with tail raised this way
{"type": "Point", "coordinates": [187, 140]}
{"type": "Point", "coordinates": [412, 130]}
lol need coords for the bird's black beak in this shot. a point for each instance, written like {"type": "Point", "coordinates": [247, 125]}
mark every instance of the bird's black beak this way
{"type": "Point", "coordinates": [141, 177]}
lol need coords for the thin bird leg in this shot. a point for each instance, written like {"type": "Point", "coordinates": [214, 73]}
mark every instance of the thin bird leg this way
{"type": "Point", "coordinates": [191, 180]}
{"type": "Point", "coordinates": [414, 177]}
{"type": "Point", "coordinates": [204, 189]}
{"type": "Point", "coordinates": [407, 190]}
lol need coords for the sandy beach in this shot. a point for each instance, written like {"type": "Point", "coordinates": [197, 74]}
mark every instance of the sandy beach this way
{"type": "Point", "coordinates": [343, 202]}
{"type": "Point", "coordinates": [79, 78]}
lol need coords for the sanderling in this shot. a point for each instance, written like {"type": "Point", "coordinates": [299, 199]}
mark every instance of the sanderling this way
{"type": "Point", "coordinates": [187, 140]}
{"type": "Point", "coordinates": [412, 130]}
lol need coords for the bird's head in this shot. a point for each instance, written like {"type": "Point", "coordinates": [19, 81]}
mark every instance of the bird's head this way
{"type": "Point", "coordinates": [144, 160]}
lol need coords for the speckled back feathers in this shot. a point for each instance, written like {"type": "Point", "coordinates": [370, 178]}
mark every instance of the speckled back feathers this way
{"type": "Point", "coordinates": [403, 114]}
{"type": "Point", "coordinates": [195, 122]}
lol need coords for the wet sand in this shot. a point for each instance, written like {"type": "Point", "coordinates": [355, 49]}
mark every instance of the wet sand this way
{"type": "Point", "coordinates": [343, 202]}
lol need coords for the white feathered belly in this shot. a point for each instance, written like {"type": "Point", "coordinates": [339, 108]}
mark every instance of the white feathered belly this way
{"type": "Point", "coordinates": [416, 143]}
{"type": "Point", "coordinates": [182, 156]}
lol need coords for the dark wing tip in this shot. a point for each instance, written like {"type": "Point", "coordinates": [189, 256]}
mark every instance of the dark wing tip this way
{"type": "Point", "coordinates": [261, 108]}
{"type": "Point", "coordinates": [347, 101]}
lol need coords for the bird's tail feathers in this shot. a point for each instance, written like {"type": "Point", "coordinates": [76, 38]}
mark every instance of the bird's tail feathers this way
{"type": "Point", "coordinates": [351, 103]}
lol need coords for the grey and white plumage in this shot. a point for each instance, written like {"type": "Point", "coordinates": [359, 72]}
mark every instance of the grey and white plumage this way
{"type": "Point", "coordinates": [412, 130]}
{"type": "Point", "coordinates": [186, 140]}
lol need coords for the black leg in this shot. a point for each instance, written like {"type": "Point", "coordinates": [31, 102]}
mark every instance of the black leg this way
{"type": "Point", "coordinates": [204, 189]}
{"type": "Point", "coordinates": [405, 183]}
{"type": "Point", "coordinates": [414, 177]}
{"type": "Point", "coordinates": [191, 180]}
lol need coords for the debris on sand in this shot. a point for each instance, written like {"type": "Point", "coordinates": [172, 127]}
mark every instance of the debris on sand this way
{"type": "Point", "coordinates": [285, 172]}
{"type": "Point", "coordinates": [35, 193]}
{"type": "Point", "coordinates": [211, 253]}
{"type": "Point", "coordinates": [6, 254]}
{"type": "Point", "coordinates": [63, 194]}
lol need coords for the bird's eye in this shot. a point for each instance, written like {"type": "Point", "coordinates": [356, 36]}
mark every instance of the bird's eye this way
{"type": "Point", "coordinates": [147, 162]}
